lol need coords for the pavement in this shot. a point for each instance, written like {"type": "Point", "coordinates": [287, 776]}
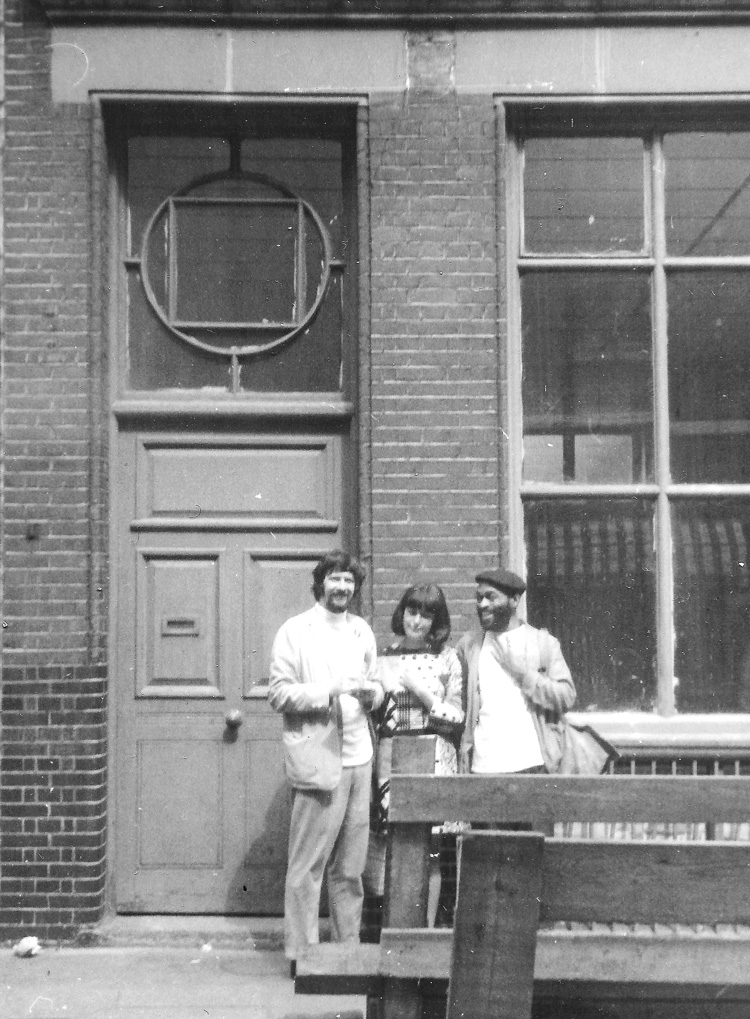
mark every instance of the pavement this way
{"type": "Point", "coordinates": [172, 968]}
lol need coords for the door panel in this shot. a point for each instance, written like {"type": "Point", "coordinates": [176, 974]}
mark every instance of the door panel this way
{"type": "Point", "coordinates": [277, 585]}
{"type": "Point", "coordinates": [178, 623]}
{"type": "Point", "coordinates": [289, 476]}
{"type": "Point", "coordinates": [285, 480]}
{"type": "Point", "coordinates": [260, 878]}
{"type": "Point", "coordinates": [183, 828]}
{"type": "Point", "coordinates": [217, 540]}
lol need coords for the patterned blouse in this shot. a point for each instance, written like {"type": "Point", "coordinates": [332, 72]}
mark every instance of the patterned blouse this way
{"type": "Point", "coordinates": [402, 713]}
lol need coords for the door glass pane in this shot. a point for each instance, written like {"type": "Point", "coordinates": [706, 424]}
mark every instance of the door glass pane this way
{"type": "Point", "coordinates": [709, 376]}
{"type": "Point", "coordinates": [583, 195]}
{"type": "Point", "coordinates": [158, 359]}
{"type": "Point", "coordinates": [707, 186]}
{"type": "Point", "coordinates": [712, 604]}
{"type": "Point", "coordinates": [591, 582]}
{"type": "Point", "coordinates": [158, 167]}
{"type": "Point", "coordinates": [235, 262]}
{"type": "Point", "coordinates": [313, 172]}
{"type": "Point", "coordinates": [587, 379]}
{"type": "Point", "coordinates": [230, 254]}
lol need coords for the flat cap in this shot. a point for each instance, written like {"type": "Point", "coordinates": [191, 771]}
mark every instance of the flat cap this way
{"type": "Point", "coordinates": [503, 580]}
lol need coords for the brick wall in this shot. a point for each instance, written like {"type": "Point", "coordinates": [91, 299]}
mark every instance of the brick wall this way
{"type": "Point", "coordinates": [436, 467]}
{"type": "Point", "coordinates": [45, 352]}
{"type": "Point", "coordinates": [52, 799]}
{"type": "Point", "coordinates": [53, 695]}
{"type": "Point", "coordinates": [436, 510]}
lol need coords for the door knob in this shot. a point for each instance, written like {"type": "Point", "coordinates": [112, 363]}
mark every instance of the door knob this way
{"type": "Point", "coordinates": [233, 719]}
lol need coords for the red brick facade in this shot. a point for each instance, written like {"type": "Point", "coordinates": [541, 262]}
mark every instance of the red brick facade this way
{"type": "Point", "coordinates": [433, 401]}
{"type": "Point", "coordinates": [434, 354]}
{"type": "Point", "coordinates": [53, 802]}
{"type": "Point", "coordinates": [433, 435]}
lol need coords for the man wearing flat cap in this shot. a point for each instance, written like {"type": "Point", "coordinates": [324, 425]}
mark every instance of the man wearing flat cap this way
{"type": "Point", "coordinates": [517, 685]}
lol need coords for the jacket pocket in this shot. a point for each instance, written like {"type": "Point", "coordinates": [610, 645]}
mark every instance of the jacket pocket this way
{"type": "Point", "coordinates": [313, 756]}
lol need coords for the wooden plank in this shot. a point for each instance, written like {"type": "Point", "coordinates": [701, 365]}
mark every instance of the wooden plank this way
{"type": "Point", "coordinates": [586, 962]}
{"type": "Point", "coordinates": [544, 799]}
{"type": "Point", "coordinates": [598, 963]}
{"type": "Point", "coordinates": [336, 968]}
{"type": "Point", "coordinates": [654, 882]}
{"type": "Point", "coordinates": [416, 952]}
{"type": "Point", "coordinates": [407, 874]}
{"type": "Point", "coordinates": [653, 959]}
{"type": "Point", "coordinates": [497, 916]}
{"type": "Point", "coordinates": [407, 859]}
{"type": "Point", "coordinates": [418, 15]}
{"type": "Point", "coordinates": [651, 991]}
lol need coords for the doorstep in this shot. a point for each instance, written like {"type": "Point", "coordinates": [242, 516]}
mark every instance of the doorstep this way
{"type": "Point", "coordinates": [254, 933]}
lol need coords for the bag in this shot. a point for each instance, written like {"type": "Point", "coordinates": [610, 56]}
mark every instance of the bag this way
{"type": "Point", "coordinates": [312, 751]}
{"type": "Point", "coordinates": [583, 751]}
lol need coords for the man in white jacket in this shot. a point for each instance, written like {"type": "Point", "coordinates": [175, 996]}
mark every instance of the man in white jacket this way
{"type": "Point", "coordinates": [323, 681]}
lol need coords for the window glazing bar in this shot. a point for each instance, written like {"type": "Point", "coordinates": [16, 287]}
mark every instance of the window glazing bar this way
{"type": "Point", "coordinates": [571, 490]}
{"type": "Point", "coordinates": [512, 438]}
{"type": "Point", "coordinates": [301, 282]}
{"type": "Point", "coordinates": [662, 524]}
{"type": "Point", "coordinates": [171, 261]}
{"type": "Point", "coordinates": [526, 262]}
{"type": "Point", "coordinates": [707, 262]}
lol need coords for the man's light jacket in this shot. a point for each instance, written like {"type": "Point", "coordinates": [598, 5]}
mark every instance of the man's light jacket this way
{"type": "Point", "coordinates": [300, 686]}
{"type": "Point", "coordinates": [547, 686]}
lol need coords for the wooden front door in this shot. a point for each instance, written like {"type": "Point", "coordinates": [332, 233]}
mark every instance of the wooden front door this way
{"type": "Point", "coordinates": [218, 539]}
{"type": "Point", "coordinates": [233, 308]}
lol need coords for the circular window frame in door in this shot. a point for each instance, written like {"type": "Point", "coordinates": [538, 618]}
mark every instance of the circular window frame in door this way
{"type": "Point", "coordinates": [301, 212]}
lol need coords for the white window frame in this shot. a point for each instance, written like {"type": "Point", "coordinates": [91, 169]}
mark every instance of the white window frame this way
{"type": "Point", "coordinates": [663, 730]}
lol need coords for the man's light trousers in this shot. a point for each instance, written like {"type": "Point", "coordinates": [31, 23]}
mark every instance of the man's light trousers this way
{"type": "Point", "coordinates": [327, 828]}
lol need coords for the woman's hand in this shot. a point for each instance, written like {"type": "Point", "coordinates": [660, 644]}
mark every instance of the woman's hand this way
{"type": "Point", "coordinates": [407, 682]}
{"type": "Point", "coordinates": [418, 690]}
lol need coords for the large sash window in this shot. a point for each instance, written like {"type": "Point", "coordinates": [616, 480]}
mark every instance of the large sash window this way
{"type": "Point", "coordinates": [631, 244]}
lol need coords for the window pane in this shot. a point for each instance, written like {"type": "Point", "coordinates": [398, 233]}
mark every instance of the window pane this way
{"type": "Point", "coordinates": [712, 605]}
{"type": "Point", "coordinates": [238, 262]}
{"type": "Point", "coordinates": [587, 381]}
{"type": "Point", "coordinates": [309, 363]}
{"type": "Point", "coordinates": [591, 582]}
{"type": "Point", "coordinates": [583, 195]}
{"type": "Point", "coordinates": [708, 193]}
{"type": "Point", "coordinates": [158, 359]}
{"type": "Point", "coordinates": [235, 263]}
{"type": "Point", "coordinates": [313, 173]}
{"type": "Point", "coordinates": [709, 376]}
{"type": "Point", "coordinates": [157, 167]}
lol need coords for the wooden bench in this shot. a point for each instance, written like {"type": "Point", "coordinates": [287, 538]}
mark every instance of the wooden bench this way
{"type": "Point", "coordinates": [551, 918]}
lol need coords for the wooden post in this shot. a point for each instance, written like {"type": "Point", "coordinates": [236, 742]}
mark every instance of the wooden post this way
{"type": "Point", "coordinates": [407, 873]}
{"type": "Point", "coordinates": [494, 934]}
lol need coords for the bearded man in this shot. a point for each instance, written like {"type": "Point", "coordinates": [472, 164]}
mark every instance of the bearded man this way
{"type": "Point", "coordinates": [517, 685]}
{"type": "Point", "coordinates": [323, 681]}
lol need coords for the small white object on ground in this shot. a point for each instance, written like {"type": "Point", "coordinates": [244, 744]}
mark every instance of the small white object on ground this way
{"type": "Point", "coordinates": [27, 947]}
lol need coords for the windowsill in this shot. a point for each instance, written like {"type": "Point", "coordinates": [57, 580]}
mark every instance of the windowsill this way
{"type": "Point", "coordinates": [645, 733]}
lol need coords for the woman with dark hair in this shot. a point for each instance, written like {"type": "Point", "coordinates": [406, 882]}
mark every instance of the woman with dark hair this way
{"type": "Point", "coordinates": [421, 674]}
{"type": "Point", "coordinates": [422, 679]}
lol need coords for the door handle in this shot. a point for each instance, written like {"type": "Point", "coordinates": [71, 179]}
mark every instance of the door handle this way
{"type": "Point", "coordinates": [233, 719]}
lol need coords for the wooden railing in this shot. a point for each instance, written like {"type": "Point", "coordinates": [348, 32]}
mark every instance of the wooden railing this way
{"type": "Point", "coordinates": [516, 888]}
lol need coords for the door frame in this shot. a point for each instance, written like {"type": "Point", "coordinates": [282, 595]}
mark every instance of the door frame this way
{"type": "Point", "coordinates": [123, 411]}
